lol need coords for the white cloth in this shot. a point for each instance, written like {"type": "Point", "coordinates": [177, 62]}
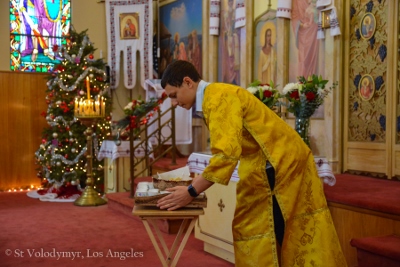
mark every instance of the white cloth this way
{"type": "Point", "coordinates": [284, 9]}
{"type": "Point", "coordinates": [129, 47]}
{"type": "Point", "coordinates": [52, 195]}
{"type": "Point", "coordinates": [323, 3]}
{"type": "Point", "coordinates": [110, 150]}
{"type": "Point", "coordinates": [335, 29]}
{"type": "Point", "coordinates": [197, 162]}
{"type": "Point", "coordinates": [215, 11]}
{"type": "Point", "coordinates": [334, 24]}
{"type": "Point", "coordinates": [200, 95]}
{"type": "Point", "coordinates": [325, 171]}
{"type": "Point", "coordinates": [183, 117]}
{"type": "Point", "coordinates": [240, 14]}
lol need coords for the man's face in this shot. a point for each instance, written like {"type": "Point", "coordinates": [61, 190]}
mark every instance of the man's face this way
{"type": "Point", "coordinates": [183, 96]}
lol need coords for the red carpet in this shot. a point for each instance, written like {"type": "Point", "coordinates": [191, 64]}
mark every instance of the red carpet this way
{"type": "Point", "coordinates": [365, 192]}
{"type": "Point", "coordinates": [378, 251]}
{"type": "Point", "coordinates": [32, 232]}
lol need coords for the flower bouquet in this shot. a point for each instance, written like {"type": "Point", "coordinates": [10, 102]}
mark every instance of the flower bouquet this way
{"type": "Point", "coordinates": [304, 97]}
{"type": "Point", "coordinates": [139, 112]}
{"type": "Point", "coordinates": [266, 93]}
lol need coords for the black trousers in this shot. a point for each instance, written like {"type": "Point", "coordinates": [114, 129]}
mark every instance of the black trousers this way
{"type": "Point", "coordinates": [279, 222]}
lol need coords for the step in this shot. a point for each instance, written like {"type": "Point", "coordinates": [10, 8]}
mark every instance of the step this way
{"type": "Point", "coordinates": [124, 203]}
{"type": "Point", "coordinates": [166, 165]}
{"type": "Point", "coordinates": [377, 251]}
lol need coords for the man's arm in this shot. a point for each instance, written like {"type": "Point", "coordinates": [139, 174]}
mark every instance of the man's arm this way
{"type": "Point", "coordinates": [180, 196]}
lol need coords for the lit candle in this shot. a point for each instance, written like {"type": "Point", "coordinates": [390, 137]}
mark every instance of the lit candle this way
{"type": "Point", "coordinates": [97, 107]}
{"type": "Point", "coordinates": [103, 106]}
{"type": "Point", "coordinates": [76, 106]}
{"type": "Point", "coordinates": [81, 108]}
{"type": "Point", "coordinates": [88, 87]}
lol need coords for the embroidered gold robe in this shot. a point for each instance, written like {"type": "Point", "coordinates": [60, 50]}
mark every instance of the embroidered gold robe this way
{"type": "Point", "coordinates": [243, 129]}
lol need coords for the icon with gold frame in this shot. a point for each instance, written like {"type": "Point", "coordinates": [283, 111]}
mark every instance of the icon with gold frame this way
{"type": "Point", "coordinates": [367, 26]}
{"type": "Point", "coordinates": [129, 25]}
{"type": "Point", "coordinates": [326, 18]}
{"type": "Point", "coordinates": [366, 87]}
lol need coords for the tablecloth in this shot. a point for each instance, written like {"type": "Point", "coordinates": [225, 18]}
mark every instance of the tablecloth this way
{"type": "Point", "coordinates": [197, 162]}
{"type": "Point", "coordinates": [109, 149]}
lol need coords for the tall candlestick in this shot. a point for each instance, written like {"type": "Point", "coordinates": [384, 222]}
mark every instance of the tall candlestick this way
{"type": "Point", "coordinates": [88, 87]}
{"type": "Point", "coordinates": [103, 106]}
{"type": "Point", "coordinates": [76, 105]}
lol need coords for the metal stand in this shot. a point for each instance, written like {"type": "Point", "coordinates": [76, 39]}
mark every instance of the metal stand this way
{"type": "Point", "coordinates": [89, 197]}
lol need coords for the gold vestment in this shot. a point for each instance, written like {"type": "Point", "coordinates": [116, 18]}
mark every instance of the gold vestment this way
{"type": "Point", "coordinates": [243, 129]}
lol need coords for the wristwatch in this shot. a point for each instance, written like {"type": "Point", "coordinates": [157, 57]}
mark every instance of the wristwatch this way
{"type": "Point", "coordinates": [192, 191]}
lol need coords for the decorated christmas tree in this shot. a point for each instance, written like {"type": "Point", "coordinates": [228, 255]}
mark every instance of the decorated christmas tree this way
{"type": "Point", "coordinates": [62, 153]}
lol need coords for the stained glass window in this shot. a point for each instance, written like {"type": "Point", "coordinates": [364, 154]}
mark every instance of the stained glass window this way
{"type": "Point", "coordinates": [36, 26]}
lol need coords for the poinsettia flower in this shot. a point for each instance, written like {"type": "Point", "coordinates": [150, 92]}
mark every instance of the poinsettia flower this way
{"type": "Point", "coordinates": [64, 107]}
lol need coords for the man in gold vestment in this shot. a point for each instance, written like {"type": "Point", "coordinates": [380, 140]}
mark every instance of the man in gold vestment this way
{"type": "Point", "coordinates": [297, 230]}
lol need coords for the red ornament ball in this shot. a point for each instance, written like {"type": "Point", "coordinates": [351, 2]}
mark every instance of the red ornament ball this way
{"type": "Point", "coordinates": [91, 56]}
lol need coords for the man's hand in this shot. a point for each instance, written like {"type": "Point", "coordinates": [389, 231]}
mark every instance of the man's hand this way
{"type": "Point", "coordinates": [178, 198]}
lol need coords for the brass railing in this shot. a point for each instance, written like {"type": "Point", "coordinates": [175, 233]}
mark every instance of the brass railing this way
{"type": "Point", "coordinates": [143, 137]}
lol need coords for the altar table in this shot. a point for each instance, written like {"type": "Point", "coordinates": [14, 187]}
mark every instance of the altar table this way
{"type": "Point", "coordinates": [109, 149]}
{"type": "Point", "coordinates": [221, 203]}
{"type": "Point", "coordinates": [150, 215]}
{"type": "Point", "coordinates": [198, 161]}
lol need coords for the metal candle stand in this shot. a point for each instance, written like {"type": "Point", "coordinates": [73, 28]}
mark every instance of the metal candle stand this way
{"type": "Point", "coordinates": [89, 196]}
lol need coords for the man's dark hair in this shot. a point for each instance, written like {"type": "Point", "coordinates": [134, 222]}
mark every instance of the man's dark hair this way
{"type": "Point", "coordinates": [176, 71]}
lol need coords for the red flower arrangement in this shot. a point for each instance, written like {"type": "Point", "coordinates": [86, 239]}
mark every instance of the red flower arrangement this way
{"type": "Point", "coordinates": [265, 92]}
{"type": "Point", "coordinates": [305, 96]}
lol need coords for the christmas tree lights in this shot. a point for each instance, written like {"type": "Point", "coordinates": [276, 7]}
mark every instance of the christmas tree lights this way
{"type": "Point", "coordinates": [78, 79]}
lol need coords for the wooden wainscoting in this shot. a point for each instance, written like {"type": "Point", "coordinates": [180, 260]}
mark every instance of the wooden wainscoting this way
{"type": "Point", "coordinates": [352, 222]}
{"type": "Point", "coordinates": [22, 99]}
